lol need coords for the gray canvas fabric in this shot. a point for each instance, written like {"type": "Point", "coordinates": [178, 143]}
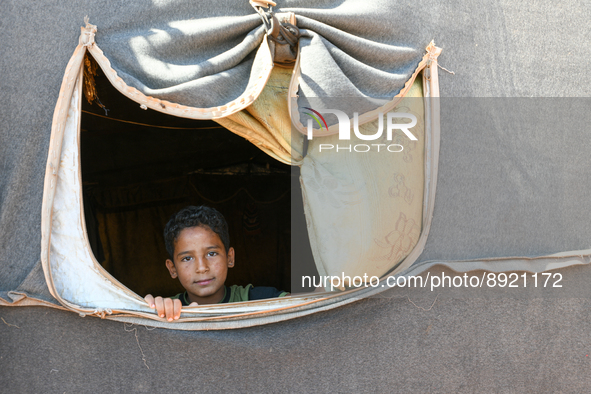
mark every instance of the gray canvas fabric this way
{"type": "Point", "coordinates": [206, 60]}
{"type": "Point", "coordinates": [514, 173]}
{"type": "Point", "coordinates": [537, 344]}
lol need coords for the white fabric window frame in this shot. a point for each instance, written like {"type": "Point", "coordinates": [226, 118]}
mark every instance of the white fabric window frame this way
{"type": "Point", "coordinates": [79, 283]}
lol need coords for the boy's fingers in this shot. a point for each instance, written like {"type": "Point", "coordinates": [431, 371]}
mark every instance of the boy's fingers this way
{"type": "Point", "coordinates": [169, 309]}
{"type": "Point", "coordinates": [166, 307]}
{"type": "Point", "coordinates": [193, 304]}
{"type": "Point", "coordinates": [177, 305]}
{"type": "Point", "coordinates": [150, 300]}
{"type": "Point", "coordinates": [159, 306]}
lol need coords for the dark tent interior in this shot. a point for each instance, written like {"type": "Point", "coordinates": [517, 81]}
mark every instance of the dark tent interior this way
{"type": "Point", "coordinates": [140, 166]}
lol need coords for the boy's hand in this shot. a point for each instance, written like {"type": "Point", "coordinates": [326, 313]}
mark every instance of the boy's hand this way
{"type": "Point", "coordinates": [166, 307]}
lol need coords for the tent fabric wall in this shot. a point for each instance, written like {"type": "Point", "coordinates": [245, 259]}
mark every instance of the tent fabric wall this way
{"type": "Point", "coordinates": [496, 50]}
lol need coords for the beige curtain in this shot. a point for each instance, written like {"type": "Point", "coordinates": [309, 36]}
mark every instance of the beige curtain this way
{"type": "Point", "coordinates": [266, 122]}
{"type": "Point", "coordinates": [364, 209]}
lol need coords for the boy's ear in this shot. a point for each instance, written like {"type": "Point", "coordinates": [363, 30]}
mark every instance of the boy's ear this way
{"type": "Point", "coordinates": [230, 257]}
{"type": "Point", "coordinates": [171, 268]}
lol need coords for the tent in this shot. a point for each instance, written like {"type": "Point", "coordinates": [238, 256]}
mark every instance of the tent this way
{"type": "Point", "coordinates": [256, 84]}
{"type": "Point", "coordinates": [484, 217]}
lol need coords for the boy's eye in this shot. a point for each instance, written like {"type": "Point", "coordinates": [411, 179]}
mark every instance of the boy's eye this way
{"type": "Point", "coordinates": [186, 258]}
{"type": "Point", "coordinates": [212, 253]}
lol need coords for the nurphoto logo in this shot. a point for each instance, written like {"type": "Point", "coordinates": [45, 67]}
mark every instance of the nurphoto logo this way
{"type": "Point", "coordinates": [345, 130]}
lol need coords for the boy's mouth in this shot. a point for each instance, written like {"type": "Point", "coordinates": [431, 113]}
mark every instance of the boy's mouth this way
{"type": "Point", "coordinates": [203, 282]}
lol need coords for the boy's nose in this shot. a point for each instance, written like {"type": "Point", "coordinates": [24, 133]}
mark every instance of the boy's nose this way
{"type": "Point", "coordinates": [201, 266]}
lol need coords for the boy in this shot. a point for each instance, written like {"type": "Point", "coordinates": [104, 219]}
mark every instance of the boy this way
{"type": "Point", "coordinates": [198, 243]}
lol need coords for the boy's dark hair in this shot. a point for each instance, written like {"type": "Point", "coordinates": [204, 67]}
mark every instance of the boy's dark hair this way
{"type": "Point", "coordinates": [193, 216]}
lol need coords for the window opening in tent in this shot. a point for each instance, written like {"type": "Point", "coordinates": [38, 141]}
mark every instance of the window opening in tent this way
{"type": "Point", "coordinates": [140, 166]}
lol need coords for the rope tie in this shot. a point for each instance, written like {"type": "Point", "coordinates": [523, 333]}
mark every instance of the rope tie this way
{"type": "Point", "coordinates": [102, 312]}
{"type": "Point", "coordinates": [288, 33]}
{"type": "Point", "coordinates": [87, 36]}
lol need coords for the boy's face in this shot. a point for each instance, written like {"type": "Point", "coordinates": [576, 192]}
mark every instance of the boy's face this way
{"type": "Point", "coordinates": [201, 264]}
